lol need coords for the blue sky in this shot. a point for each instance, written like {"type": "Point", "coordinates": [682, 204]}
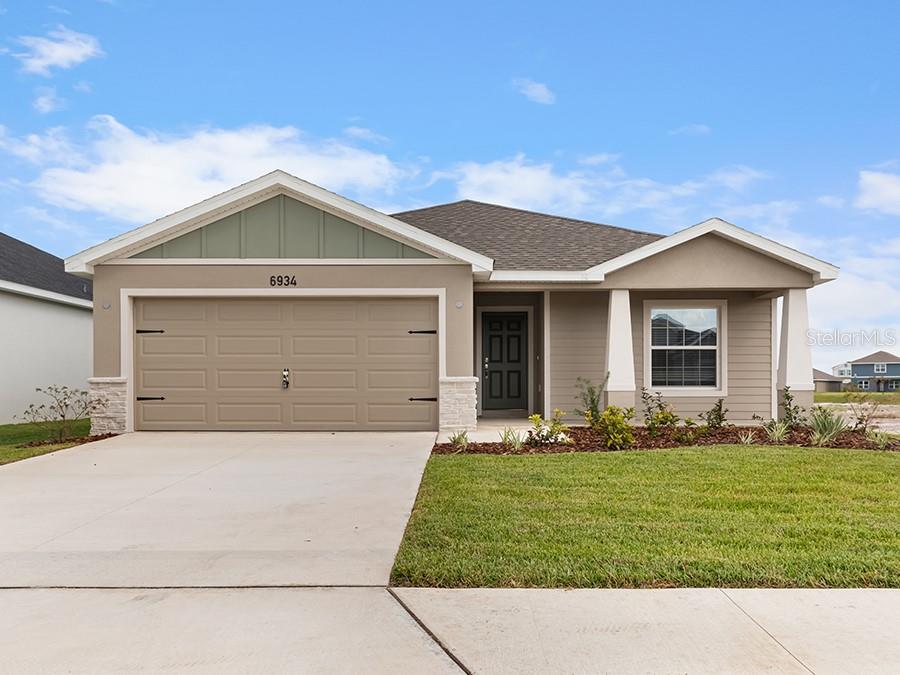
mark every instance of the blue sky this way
{"type": "Point", "coordinates": [652, 115]}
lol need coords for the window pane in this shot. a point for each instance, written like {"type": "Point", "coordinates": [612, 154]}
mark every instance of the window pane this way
{"type": "Point", "coordinates": [658, 368]}
{"type": "Point", "coordinates": [692, 368]}
{"type": "Point", "coordinates": [659, 322]}
{"type": "Point", "coordinates": [708, 367]}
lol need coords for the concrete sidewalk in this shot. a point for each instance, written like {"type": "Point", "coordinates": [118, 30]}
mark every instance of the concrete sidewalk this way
{"type": "Point", "coordinates": [664, 631]}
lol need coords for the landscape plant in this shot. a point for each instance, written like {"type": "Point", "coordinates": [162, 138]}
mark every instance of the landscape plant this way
{"type": "Point", "coordinates": [747, 437]}
{"type": "Point", "coordinates": [591, 397]}
{"type": "Point", "coordinates": [792, 413]}
{"type": "Point", "coordinates": [460, 440]}
{"type": "Point", "coordinates": [614, 425]}
{"type": "Point", "coordinates": [658, 415]}
{"type": "Point", "coordinates": [512, 439]}
{"type": "Point", "coordinates": [715, 417]}
{"type": "Point", "coordinates": [548, 432]}
{"type": "Point", "coordinates": [776, 430]}
{"type": "Point", "coordinates": [825, 426]}
{"type": "Point", "coordinates": [66, 405]}
{"type": "Point", "coordinates": [863, 409]}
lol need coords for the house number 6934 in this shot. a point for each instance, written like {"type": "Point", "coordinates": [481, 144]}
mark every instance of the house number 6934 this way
{"type": "Point", "coordinates": [282, 280]}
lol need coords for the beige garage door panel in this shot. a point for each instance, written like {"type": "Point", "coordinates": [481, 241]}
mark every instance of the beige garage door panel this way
{"type": "Point", "coordinates": [354, 365]}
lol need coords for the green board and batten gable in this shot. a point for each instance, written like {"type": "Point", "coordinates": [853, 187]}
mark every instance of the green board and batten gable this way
{"type": "Point", "coordinates": [282, 227]}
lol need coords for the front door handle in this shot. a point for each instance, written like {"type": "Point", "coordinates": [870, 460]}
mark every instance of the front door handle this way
{"type": "Point", "coordinates": [285, 378]}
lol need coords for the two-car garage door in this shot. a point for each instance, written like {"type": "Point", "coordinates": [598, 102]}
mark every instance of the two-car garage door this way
{"type": "Point", "coordinates": [291, 364]}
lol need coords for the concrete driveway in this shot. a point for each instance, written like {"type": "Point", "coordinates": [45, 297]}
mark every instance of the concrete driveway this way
{"type": "Point", "coordinates": [211, 509]}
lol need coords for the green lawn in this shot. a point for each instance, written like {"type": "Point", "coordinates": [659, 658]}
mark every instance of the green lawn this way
{"type": "Point", "coordinates": [14, 435]}
{"type": "Point", "coordinates": [885, 398]}
{"type": "Point", "coordinates": [712, 516]}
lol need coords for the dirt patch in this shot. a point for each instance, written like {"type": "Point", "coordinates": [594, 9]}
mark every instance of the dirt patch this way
{"type": "Point", "coordinates": [78, 440]}
{"type": "Point", "coordinates": [585, 439]}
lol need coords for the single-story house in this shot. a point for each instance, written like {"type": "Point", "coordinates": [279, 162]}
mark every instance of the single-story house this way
{"type": "Point", "coordinates": [45, 326]}
{"type": "Point", "coordinates": [825, 382]}
{"type": "Point", "coordinates": [281, 305]}
{"type": "Point", "coordinates": [879, 371]}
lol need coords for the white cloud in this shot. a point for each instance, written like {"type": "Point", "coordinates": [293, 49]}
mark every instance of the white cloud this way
{"type": "Point", "coordinates": [879, 191]}
{"type": "Point", "coordinates": [56, 223]}
{"type": "Point", "coordinates": [51, 146]}
{"type": "Point", "coordinates": [831, 201]}
{"type": "Point", "coordinates": [140, 175]}
{"type": "Point", "coordinates": [599, 158]}
{"type": "Point", "coordinates": [598, 190]}
{"type": "Point", "coordinates": [691, 130]}
{"type": "Point", "coordinates": [83, 87]}
{"type": "Point", "coordinates": [534, 91]}
{"type": "Point", "coordinates": [777, 213]}
{"type": "Point", "coordinates": [47, 100]}
{"type": "Point", "coordinates": [58, 10]}
{"type": "Point", "coordinates": [364, 134]}
{"type": "Point", "coordinates": [62, 48]}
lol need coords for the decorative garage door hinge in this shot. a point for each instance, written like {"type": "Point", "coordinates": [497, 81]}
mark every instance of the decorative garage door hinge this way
{"type": "Point", "coordinates": [416, 398]}
{"type": "Point", "coordinates": [422, 332]}
{"type": "Point", "coordinates": [151, 398]}
{"type": "Point", "coordinates": [143, 331]}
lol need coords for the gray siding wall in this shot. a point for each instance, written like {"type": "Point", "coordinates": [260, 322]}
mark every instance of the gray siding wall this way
{"type": "Point", "coordinates": [577, 344]}
{"type": "Point", "coordinates": [578, 347]}
{"type": "Point", "coordinates": [282, 227]}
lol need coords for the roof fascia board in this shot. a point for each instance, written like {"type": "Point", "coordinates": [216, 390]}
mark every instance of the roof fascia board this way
{"type": "Point", "coordinates": [244, 195]}
{"type": "Point", "coordinates": [543, 276]}
{"type": "Point", "coordinates": [41, 294]}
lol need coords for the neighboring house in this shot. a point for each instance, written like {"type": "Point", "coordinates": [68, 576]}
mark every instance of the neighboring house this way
{"type": "Point", "coordinates": [45, 326]}
{"type": "Point", "coordinates": [281, 305]}
{"type": "Point", "coordinates": [826, 382]}
{"type": "Point", "coordinates": [842, 370]}
{"type": "Point", "coordinates": [876, 372]}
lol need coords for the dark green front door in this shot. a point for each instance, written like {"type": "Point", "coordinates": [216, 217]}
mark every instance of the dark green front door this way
{"type": "Point", "coordinates": [504, 361]}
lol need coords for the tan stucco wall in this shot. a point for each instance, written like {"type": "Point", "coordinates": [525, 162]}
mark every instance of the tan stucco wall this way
{"type": "Point", "coordinates": [709, 261]}
{"type": "Point", "coordinates": [110, 279]}
{"type": "Point", "coordinates": [578, 345]}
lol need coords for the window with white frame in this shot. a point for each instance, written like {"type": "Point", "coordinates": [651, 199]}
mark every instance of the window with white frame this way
{"type": "Point", "coordinates": [893, 385]}
{"type": "Point", "coordinates": [685, 345]}
{"type": "Point", "coordinates": [864, 385]}
{"type": "Point", "coordinates": [880, 367]}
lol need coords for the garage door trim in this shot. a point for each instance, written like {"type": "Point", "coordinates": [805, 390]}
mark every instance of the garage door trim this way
{"type": "Point", "coordinates": [128, 295]}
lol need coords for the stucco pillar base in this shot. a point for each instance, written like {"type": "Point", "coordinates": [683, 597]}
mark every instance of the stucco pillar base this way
{"type": "Point", "coordinates": [457, 404]}
{"type": "Point", "coordinates": [622, 399]}
{"type": "Point", "coordinates": [111, 418]}
{"type": "Point", "coordinates": [802, 397]}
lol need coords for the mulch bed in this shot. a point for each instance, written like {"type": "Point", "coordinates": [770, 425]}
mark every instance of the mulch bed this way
{"type": "Point", "coordinates": [585, 439]}
{"type": "Point", "coordinates": [78, 440]}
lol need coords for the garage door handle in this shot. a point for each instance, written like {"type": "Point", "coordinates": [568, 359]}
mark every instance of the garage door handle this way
{"type": "Point", "coordinates": [151, 398]}
{"type": "Point", "coordinates": [144, 331]}
{"type": "Point", "coordinates": [422, 332]}
{"type": "Point", "coordinates": [415, 398]}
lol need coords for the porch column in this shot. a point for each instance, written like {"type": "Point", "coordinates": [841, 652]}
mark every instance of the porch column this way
{"type": "Point", "coordinates": [620, 386]}
{"type": "Point", "coordinates": [795, 356]}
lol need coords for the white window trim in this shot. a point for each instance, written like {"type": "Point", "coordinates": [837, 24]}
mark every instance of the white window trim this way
{"type": "Point", "coordinates": [126, 317]}
{"type": "Point", "coordinates": [893, 385]}
{"type": "Point", "coordinates": [880, 368]}
{"type": "Point", "coordinates": [863, 385]}
{"type": "Point", "coordinates": [719, 391]}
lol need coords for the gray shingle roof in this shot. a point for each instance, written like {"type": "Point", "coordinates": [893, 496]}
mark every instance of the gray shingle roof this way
{"type": "Point", "coordinates": [24, 264]}
{"type": "Point", "coordinates": [525, 240]}
{"type": "Point", "coordinates": [820, 375]}
{"type": "Point", "coordinates": [878, 357]}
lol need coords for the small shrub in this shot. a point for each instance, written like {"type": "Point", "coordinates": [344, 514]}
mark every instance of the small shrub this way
{"type": "Point", "coordinates": [863, 408]}
{"type": "Point", "coordinates": [880, 439]}
{"type": "Point", "coordinates": [687, 433]}
{"type": "Point", "coordinates": [715, 416]}
{"type": "Point", "coordinates": [793, 414]}
{"type": "Point", "coordinates": [825, 426]}
{"type": "Point", "coordinates": [66, 405]}
{"type": "Point", "coordinates": [658, 415]}
{"type": "Point", "coordinates": [460, 440]}
{"type": "Point", "coordinates": [776, 430]}
{"type": "Point", "coordinates": [613, 424]}
{"type": "Point", "coordinates": [747, 437]}
{"type": "Point", "coordinates": [512, 439]}
{"type": "Point", "coordinates": [548, 432]}
{"type": "Point", "coordinates": [591, 397]}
